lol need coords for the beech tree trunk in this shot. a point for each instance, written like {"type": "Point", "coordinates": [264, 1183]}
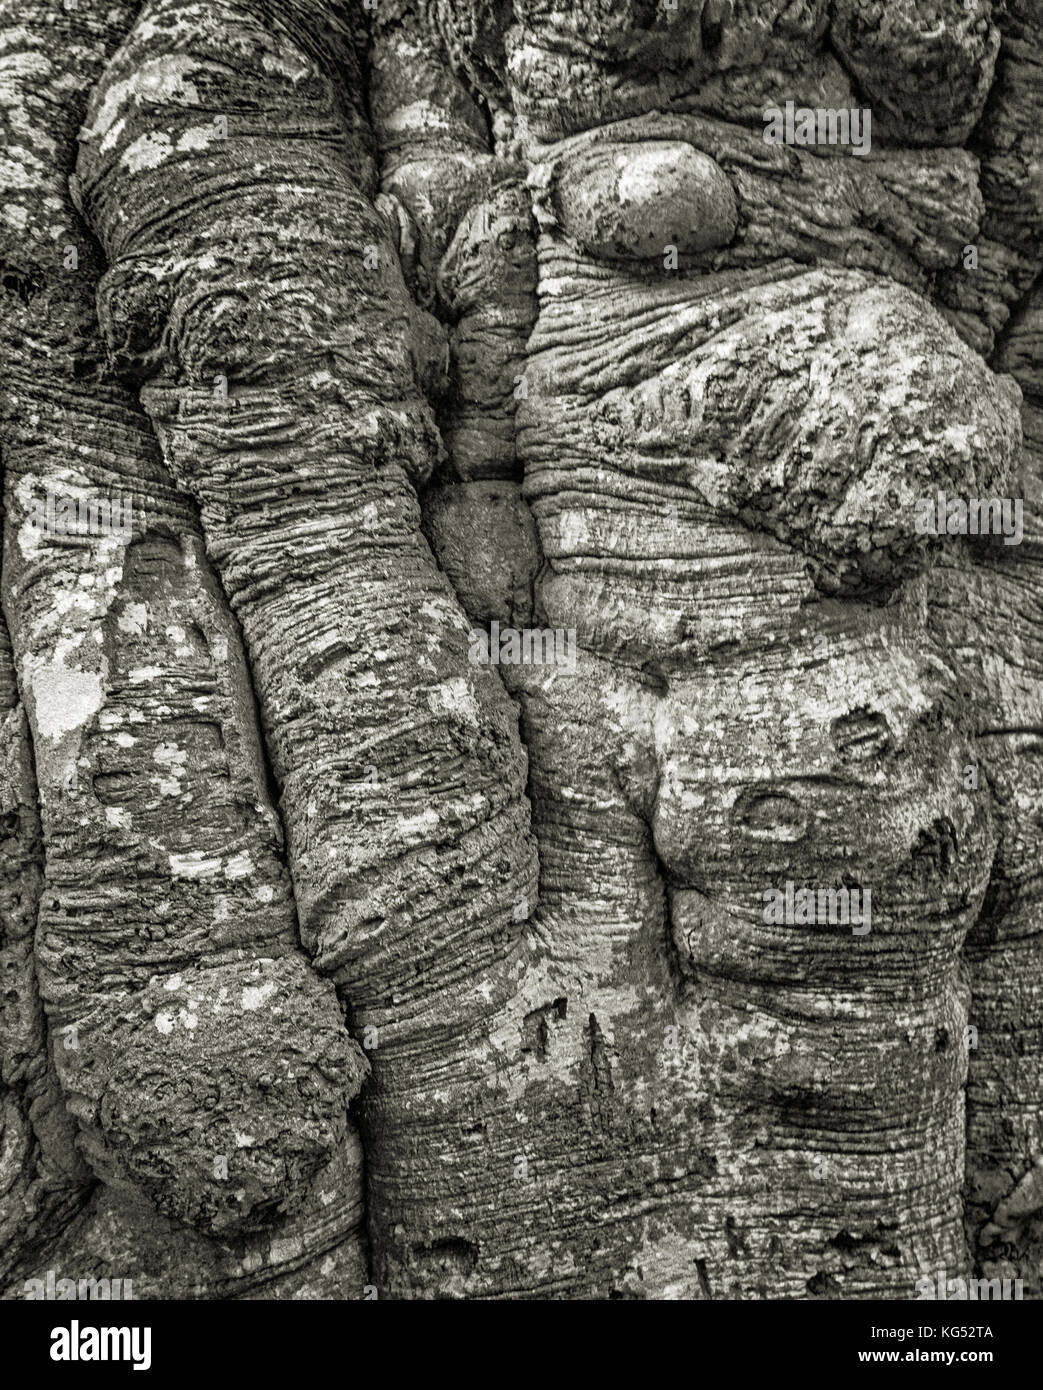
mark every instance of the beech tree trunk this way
{"type": "Point", "coordinates": [346, 952]}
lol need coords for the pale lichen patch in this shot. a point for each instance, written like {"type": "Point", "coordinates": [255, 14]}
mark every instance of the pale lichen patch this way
{"type": "Point", "coordinates": [65, 699]}
{"type": "Point", "coordinates": [254, 996]}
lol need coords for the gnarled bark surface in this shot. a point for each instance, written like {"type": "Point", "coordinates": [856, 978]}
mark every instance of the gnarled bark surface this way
{"type": "Point", "coordinates": [339, 961]}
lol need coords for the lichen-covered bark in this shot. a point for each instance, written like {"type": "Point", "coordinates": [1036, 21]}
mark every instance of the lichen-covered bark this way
{"type": "Point", "coordinates": [42, 1184]}
{"type": "Point", "coordinates": [416, 318]}
{"type": "Point", "coordinates": [289, 288]}
{"type": "Point", "coordinates": [989, 611]}
{"type": "Point", "coordinates": [166, 943]}
{"type": "Point", "coordinates": [677, 436]}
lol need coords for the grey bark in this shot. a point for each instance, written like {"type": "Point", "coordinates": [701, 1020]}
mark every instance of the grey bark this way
{"type": "Point", "coordinates": [336, 963]}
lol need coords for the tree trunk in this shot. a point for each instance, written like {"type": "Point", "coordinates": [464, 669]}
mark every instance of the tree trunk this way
{"type": "Point", "coordinates": [503, 794]}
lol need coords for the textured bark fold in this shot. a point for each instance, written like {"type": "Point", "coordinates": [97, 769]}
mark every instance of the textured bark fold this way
{"type": "Point", "coordinates": [208, 1068]}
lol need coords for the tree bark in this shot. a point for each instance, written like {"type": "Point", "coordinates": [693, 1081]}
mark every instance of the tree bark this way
{"type": "Point", "coordinates": [341, 959]}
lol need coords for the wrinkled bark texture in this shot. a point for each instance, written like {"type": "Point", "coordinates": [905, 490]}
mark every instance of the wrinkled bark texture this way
{"type": "Point", "coordinates": [337, 963]}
